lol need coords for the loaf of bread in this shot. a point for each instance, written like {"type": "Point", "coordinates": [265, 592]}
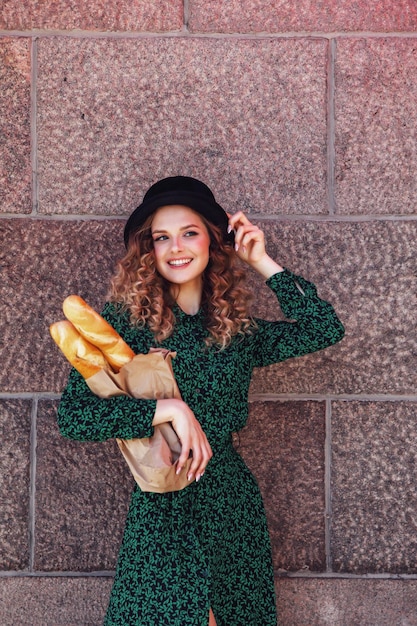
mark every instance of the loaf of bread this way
{"type": "Point", "coordinates": [82, 355]}
{"type": "Point", "coordinates": [97, 331]}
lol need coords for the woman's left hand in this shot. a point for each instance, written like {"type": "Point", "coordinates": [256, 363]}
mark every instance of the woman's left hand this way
{"type": "Point", "coordinates": [250, 245]}
{"type": "Point", "coordinates": [249, 239]}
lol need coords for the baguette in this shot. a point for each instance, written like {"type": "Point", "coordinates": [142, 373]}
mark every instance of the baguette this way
{"type": "Point", "coordinates": [86, 358]}
{"type": "Point", "coordinates": [97, 331]}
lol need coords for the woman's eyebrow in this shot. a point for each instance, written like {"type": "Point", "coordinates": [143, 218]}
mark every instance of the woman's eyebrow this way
{"type": "Point", "coordinates": [161, 231]}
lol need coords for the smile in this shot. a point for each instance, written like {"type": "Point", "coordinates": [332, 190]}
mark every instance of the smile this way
{"type": "Point", "coordinates": [179, 262]}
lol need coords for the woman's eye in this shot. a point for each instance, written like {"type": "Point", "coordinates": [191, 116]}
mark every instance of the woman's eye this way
{"type": "Point", "coordinates": [191, 233]}
{"type": "Point", "coordinates": [160, 238]}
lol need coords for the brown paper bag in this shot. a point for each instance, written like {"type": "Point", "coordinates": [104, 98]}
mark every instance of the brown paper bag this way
{"type": "Point", "coordinates": [152, 460]}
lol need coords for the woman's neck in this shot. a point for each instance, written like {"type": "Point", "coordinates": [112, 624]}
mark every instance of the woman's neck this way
{"type": "Point", "coordinates": [188, 297]}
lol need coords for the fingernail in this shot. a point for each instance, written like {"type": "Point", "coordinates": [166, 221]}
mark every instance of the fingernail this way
{"type": "Point", "coordinates": [197, 478]}
{"type": "Point", "coordinates": [236, 247]}
{"type": "Point", "coordinates": [189, 477]}
{"type": "Point", "coordinates": [179, 470]}
{"type": "Point", "coordinates": [229, 229]}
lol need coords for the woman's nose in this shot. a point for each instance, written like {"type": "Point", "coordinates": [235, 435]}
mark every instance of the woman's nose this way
{"type": "Point", "coordinates": [176, 244]}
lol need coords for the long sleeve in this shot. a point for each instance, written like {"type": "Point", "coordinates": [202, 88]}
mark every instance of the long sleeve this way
{"type": "Point", "coordinates": [85, 417]}
{"type": "Point", "coordinates": [314, 324]}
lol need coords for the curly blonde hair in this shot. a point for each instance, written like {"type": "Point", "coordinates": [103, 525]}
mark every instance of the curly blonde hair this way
{"type": "Point", "coordinates": [139, 288]}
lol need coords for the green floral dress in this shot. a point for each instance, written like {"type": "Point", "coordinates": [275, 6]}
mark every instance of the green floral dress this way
{"type": "Point", "coordinates": [207, 545]}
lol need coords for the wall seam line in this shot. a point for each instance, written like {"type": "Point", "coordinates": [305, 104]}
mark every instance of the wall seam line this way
{"type": "Point", "coordinates": [29, 395]}
{"type": "Point", "coordinates": [279, 218]}
{"type": "Point", "coordinates": [331, 127]}
{"type": "Point", "coordinates": [345, 575]}
{"type": "Point", "coordinates": [57, 574]}
{"type": "Point", "coordinates": [253, 397]}
{"type": "Point", "coordinates": [327, 484]}
{"type": "Point", "coordinates": [186, 10]}
{"type": "Point", "coordinates": [172, 34]}
{"type": "Point", "coordinates": [32, 483]}
{"type": "Point", "coordinates": [33, 124]}
{"type": "Point", "coordinates": [289, 397]}
{"type": "Point", "coordinates": [279, 575]}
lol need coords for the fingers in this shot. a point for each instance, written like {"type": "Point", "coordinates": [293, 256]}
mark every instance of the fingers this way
{"type": "Point", "coordinates": [247, 235]}
{"type": "Point", "coordinates": [245, 231]}
{"type": "Point", "coordinates": [237, 217]}
{"type": "Point", "coordinates": [249, 239]}
{"type": "Point", "coordinates": [200, 459]}
{"type": "Point", "coordinates": [194, 440]}
{"type": "Point", "coordinates": [201, 455]}
{"type": "Point", "coordinates": [237, 220]}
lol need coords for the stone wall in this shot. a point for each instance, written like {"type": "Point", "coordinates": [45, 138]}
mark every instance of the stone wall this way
{"type": "Point", "coordinates": [302, 114]}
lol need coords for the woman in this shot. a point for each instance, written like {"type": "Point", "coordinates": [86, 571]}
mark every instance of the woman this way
{"type": "Point", "coordinates": [200, 556]}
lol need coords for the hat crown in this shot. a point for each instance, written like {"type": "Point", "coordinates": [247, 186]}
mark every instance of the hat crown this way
{"type": "Point", "coordinates": [179, 185]}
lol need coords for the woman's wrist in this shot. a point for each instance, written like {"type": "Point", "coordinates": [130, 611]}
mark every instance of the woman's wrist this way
{"type": "Point", "coordinates": [267, 267]}
{"type": "Point", "coordinates": [165, 410]}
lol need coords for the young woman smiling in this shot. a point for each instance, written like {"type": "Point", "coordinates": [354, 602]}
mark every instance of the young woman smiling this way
{"type": "Point", "coordinates": [200, 556]}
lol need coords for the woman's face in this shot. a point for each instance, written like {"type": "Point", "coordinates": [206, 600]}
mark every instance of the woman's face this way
{"type": "Point", "coordinates": [181, 244]}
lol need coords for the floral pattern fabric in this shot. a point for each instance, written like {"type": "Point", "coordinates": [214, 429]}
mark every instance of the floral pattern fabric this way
{"type": "Point", "coordinates": [207, 545]}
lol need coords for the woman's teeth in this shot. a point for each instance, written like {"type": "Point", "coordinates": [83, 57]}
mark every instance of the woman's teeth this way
{"type": "Point", "coordinates": [178, 262]}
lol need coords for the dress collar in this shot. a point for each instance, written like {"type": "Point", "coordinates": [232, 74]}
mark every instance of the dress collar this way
{"type": "Point", "coordinates": [182, 315]}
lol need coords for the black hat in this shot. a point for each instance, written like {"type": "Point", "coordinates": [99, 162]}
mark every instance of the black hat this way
{"type": "Point", "coordinates": [182, 190]}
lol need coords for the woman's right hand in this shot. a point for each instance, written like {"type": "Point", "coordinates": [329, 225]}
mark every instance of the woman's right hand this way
{"type": "Point", "coordinates": [190, 433]}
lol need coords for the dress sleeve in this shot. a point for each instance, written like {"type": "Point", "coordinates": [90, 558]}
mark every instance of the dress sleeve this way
{"type": "Point", "coordinates": [83, 416]}
{"type": "Point", "coordinates": [314, 324]}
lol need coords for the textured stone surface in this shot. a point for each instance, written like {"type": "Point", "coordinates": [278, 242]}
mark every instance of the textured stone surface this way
{"type": "Point", "coordinates": [42, 263]}
{"type": "Point", "coordinates": [303, 602]}
{"type": "Point", "coordinates": [368, 272]}
{"type": "Point", "coordinates": [249, 117]}
{"type": "Point", "coordinates": [123, 15]}
{"type": "Point", "coordinates": [283, 444]}
{"type": "Point", "coordinates": [15, 165]}
{"type": "Point", "coordinates": [374, 487]}
{"type": "Point", "coordinates": [82, 497]}
{"type": "Point", "coordinates": [376, 125]}
{"type": "Point", "coordinates": [53, 601]}
{"type": "Point", "coordinates": [14, 484]}
{"type": "Point", "coordinates": [283, 15]}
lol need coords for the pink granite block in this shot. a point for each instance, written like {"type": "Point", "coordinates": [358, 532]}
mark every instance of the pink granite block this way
{"type": "Point", "coordinates": [15, 163]}
{"type": "Point", "coordinates": [301, 602]}
{"type": "Point", "coordinates": [283, 444]}
{"type": "Point", "coordinates": [333, 602]}
{"type": "Point", "coordinates": [15, 424]}
{"type": "Point", "coordinates": [123, 15]}
{"type": "Point", "coordinates": [374, 487]}
{"type": "Point", "coordinates": [376, 125]}
{"type": "Point", "coordinates": [54, 601]}
{"type": "Point", "coordinates": [42, 262]}
{"type": "Point", "coordinates": [367, 270]}
{"type": "Point", "coordinates": [270, 16]}
{"type": "Point", "coordinates": [82, 497]}
{"type": "Point", "coordinates": [246, 116]}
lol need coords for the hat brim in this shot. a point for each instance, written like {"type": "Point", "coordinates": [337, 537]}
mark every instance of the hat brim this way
{"type": "Point", "coordinates": [211, 210]}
